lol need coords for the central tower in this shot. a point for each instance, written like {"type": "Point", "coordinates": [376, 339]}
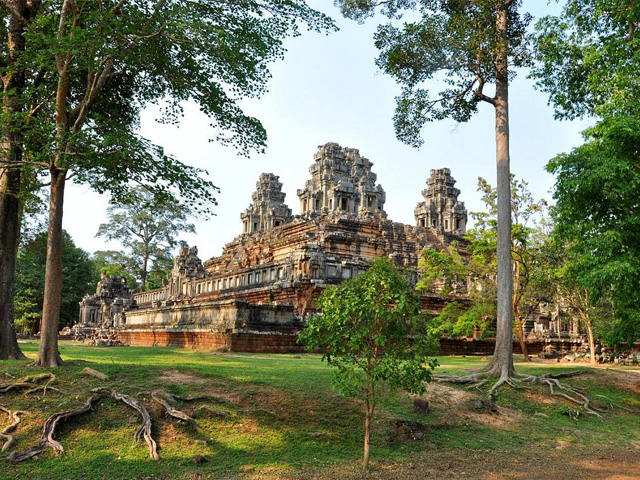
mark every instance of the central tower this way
{"type": "Point", "coordinates": [341, 182]}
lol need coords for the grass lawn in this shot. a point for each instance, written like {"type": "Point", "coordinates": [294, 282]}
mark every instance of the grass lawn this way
{"type": "Point", "coordinates": [281, 419]}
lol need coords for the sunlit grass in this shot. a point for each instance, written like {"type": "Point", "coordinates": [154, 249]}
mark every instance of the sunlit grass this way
{"type": "Point", "coordinates": [281, 416]}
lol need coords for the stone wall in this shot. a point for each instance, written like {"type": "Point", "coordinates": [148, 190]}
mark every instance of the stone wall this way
{"type": "Point", "coordinates": [220, 317]}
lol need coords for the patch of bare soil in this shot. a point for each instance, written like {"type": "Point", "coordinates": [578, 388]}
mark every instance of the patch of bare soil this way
{"type": "Point", "coordinates": [441, 394]}
{"type": "Point", "coordinates": [459, 403]}
{"type": "Point", "coordinates": [181, 378]}
{"type": "Point", "coordinates": [541, 464]}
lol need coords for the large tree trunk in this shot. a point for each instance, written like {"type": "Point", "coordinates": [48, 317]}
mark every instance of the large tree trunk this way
{"type": "Point", "coordinates": [48, 355]}
{"type": "Point", "coordinates": [501, 364]}
{"type": "Point", "coordinates": [9, 228]}
{"type": "Point", "coordinates": [13, 85]}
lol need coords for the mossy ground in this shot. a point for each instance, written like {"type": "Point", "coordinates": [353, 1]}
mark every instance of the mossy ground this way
{"type": "Point", "coordinates": [285, 421]}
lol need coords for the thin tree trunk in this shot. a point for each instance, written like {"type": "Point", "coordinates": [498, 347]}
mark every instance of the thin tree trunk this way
{"type": "Point", "coordinates": [501, 364]}
{"type": "Point", "coordinates": [143, 273]}
{"type": "Point", "coordinates": [592, 342]}
{"type": "Point", "coordinates": [48, 355]}
{"type": "Point", "coordinates": [13, 85]}
{"type": "Point", "coordinates": [367, 429]}
{"type": "Point", "coordinates": [516, 312]}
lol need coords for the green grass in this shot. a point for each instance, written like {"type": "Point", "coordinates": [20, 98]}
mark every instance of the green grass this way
{"type": "Point", "coordinates": [284, 419]}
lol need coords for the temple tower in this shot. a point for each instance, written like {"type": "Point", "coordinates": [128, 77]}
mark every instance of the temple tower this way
{"type": "Point", "coordinates": [268, 209]}
{"type": "Point", "coordinates": [441, 209]}
{"type": "Point", "coordinates": [342, 182]}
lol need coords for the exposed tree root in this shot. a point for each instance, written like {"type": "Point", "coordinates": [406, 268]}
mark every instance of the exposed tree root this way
{"type": "Point", "coordinates": [165, 399]}
{"type": "Point", "coordinates": [5, 433]}
{"type": "Point", "coordinates": [212, 398]}
{"type": "Point", "coordinates": [28, 383]}
{"type": "Point", "coordinates": [573, 394]}
{"type": "Point", "coordinates": [46, 440]}
{"type": "Point", "coordinates": [556, 388]}
{"type": "Point", "coordinates": [144, 430]}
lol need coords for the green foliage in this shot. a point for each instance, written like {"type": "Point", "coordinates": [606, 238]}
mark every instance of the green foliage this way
{"type": "Point", "coordinates": [596, 209]}
{"type": "Point", "coordinates": [455, 43]}
{"type": "Point", "coordinates": [102, 62]}
{"type": "Point", "coordinates": [441, 272]}
{"type": "Point", "coordinates": [147, 225]}
{"type": "Point", "coordinates": [372, 331]}
{"type": "Point", "coordinates": [78, 279]}
{"type": "Point", "coordinates": [117, 263]}
{"type": "Point", "coordinates": [589, 58]}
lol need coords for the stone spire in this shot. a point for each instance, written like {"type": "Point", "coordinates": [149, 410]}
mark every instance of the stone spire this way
{"type": "Point", "coordinates": [341, 181]}
{"type": "Point", "coordinates": [268, 209]}
{"type": "Point", "coordinates": [441, 209]}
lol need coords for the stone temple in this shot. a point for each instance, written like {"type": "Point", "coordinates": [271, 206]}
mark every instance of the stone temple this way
{"type": "Point", "coordinates": [254, 296]}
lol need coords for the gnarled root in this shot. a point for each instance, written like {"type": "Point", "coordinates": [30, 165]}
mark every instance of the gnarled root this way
{"type": "Point", "coordinates": [28, 383]}
{"type": "Point", "coordinates": [556, 388]}
{"type": "Point", "coordinates": [213, 398]}
{"type": "Point", "coordinates": [476, 379]}
{"type": "Point", "coordinates": [144, 430]}
{"type": "Point", "coordinates": [573, 394]}
{"type": "Point", "coordinates": [5, 433]}
{"type": "Point", "coordinates": [46, 440]}
{"type": "Point", "coordinates": [165, 399]}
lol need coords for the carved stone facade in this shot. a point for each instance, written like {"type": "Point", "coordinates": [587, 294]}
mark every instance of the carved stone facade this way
{"type": "Point", "coordinates": [441, 209]}
{"type": "Point", "coordinates": [270, 276]}
{"type": "Point", "coordinates": [341, 182]}
{"type": "Point", "coordinates": [105, 309]}
{"type": "Point", "coordinates": [268, 209]}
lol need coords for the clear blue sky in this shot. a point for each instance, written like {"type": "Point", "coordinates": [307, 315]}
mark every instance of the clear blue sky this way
{"type": "Point", "coordinates": [328, 89]}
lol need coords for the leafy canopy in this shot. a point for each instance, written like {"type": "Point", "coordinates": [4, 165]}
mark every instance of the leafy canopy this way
{"type": "Point", "coordinates": [596, 212]}
{"type": "Point", "coordinates": [588, 58]}
{"type": "Point", "coordinates": [92, 66]}
{"type": "Point", "coordinates": [453, 44]}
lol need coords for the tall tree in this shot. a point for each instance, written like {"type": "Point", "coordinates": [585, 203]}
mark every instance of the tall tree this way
{"type": "Point", "coordinates": [373, 333]}
{"type": "Point", "coordinates": [79, 279]}
{"type": "Point", "coordinates": [589, 58]}
{"type": "Point", "coordinates": [525, 241]}
{"type": "Point", "coordinates": [15, 17]}
{"type": "Point", "coordinates": [147, 225]}
{"type": "Point", "coordinates": [596, 213]}
{"type": "Point", "coordinates": [468, 44]}
{"type": "Point", "coordinates": [109, 59]}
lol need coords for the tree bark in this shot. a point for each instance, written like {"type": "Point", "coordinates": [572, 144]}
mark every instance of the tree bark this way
{"type": "Point", "coordinates": [367, 429]}
{"type": "Point", "coordinates": [13, 85]}
{"type": "Point", "coordinates": [592, 342]}
{"type": "Point", "coordinates": [143, 272]}
{"type": "Point", "coordinates": [516, 312]}
{"type": "Point", "coordinates": [48, 355]}
{"type": "Point", "coordinates": [501, 364]}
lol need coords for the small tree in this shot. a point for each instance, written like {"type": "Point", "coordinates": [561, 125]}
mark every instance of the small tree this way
{"type": "Point", "coordinates": [373, 333]}
{"type": "Point", "coordinates": [147, 225]}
